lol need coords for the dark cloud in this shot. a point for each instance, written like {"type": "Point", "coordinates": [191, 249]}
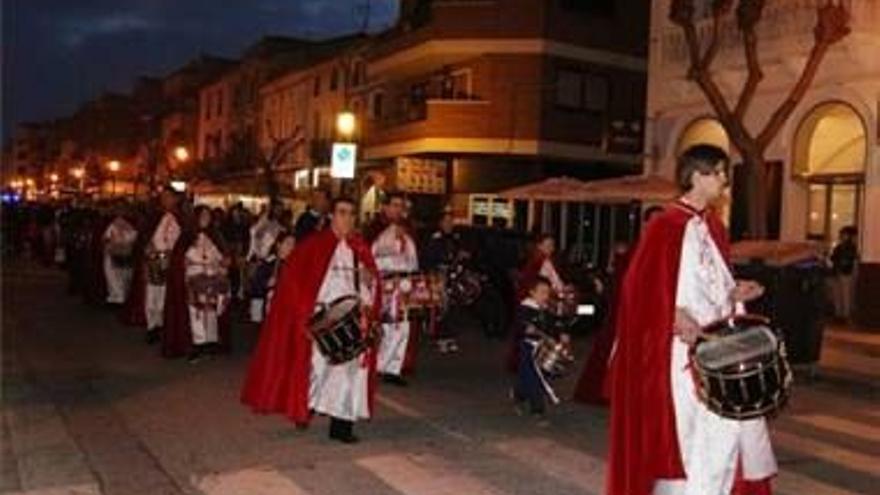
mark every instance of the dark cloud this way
{"type": "Point", "coordinates": [59, 53]}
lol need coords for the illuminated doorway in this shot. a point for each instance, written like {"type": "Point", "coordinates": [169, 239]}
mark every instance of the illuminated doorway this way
{"type": "Point", "coordinates": [830, 150]}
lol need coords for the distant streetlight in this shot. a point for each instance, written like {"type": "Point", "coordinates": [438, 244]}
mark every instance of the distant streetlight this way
{"type": "Point", "coordinates": [29, 182]}
{"type": "Point", "coordinates": [181, 154]}
{"type": "Point", "coordinates": [113, 166]}
{"type": "Point", "coordinates": [53, 177]}
{"type": "Point", "coordinates": [79, 174]}
{"type": "Point", "coordinates": [346, 124]}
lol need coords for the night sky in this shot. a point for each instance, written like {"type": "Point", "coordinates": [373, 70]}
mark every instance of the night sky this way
{"type": "Point", "coordinates": [60, 53]}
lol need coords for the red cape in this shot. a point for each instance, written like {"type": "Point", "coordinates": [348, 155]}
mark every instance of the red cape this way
{"type": "Point", "coordinates": [644, 443]}
{"type": "Point", "coordinates": [593, 387]}
{"type": "Point", "coordinates": [133, 313]}
{"type": "Point", "coordinates": [96, 285]}
{"type": "Point", "coordinates": [278, 376]}
{"type": "Point", "coordinates": [176, 333]}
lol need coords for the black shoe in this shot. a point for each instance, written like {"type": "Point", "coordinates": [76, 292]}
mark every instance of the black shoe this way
{"type": "Point", "coordinates": [394, 380]}
{"type": "Point", "coordinates": [195, 355]}
{"type": "Point", "coordinates": [342, 431]}
{"type": "Point", "coordinates": [152, 336]}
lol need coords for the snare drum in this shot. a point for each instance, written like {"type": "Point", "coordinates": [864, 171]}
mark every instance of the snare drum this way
{"type": "Point", "coordinates": [207, 291]}
{"type": "Point", "coordinates": [120, 254]}
{"type": "Point", "coordinates": [741, 369]}
{"type": "Point", "coordinates": [553, 356]}
{"type": "Point", "coordinates": [157, 267]}
{"type": "Point", "coordinates": [412, 294]}
{"type": "Point", "coordinates": [337, 331]}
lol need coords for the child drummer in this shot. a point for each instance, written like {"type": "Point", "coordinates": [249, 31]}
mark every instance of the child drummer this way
{"type": "Point", "coordinates": [532, 325]}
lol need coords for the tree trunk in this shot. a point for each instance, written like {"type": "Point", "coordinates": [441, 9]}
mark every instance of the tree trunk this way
{"type": "Point", "coordinates": [757, 195]}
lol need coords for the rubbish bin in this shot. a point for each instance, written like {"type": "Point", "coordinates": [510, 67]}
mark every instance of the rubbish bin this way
{"type": "Point", "coordinates": [794, 300]}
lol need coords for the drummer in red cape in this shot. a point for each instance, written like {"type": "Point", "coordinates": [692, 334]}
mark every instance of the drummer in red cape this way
{"type": "Point", "coordinates": [395, 252]}
{"type": "Point", "coordinates": [664, 441]}
{"type": "Point", "coordinates": [288, 374]}
{"type": "Point", "coordinates": [198, 295]}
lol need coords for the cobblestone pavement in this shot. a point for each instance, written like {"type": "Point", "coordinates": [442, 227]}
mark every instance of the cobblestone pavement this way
{"type": "Point", "coordinates": [88, 408]}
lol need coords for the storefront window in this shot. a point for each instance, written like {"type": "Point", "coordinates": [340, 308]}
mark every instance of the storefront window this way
{"type": "Point", "coordinates": [832, 207]}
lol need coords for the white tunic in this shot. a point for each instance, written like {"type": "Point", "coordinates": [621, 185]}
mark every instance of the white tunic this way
{"type": "Point", "coordinates": [163, 240]}
{"type": "Point", "coordinates": [120, 235]}
{"type": "Point", "coordinates": [710, 445]}
{"type": "Point", "coordinates": [205, 258]}
{"type": "Point", "coordinates": [395, 252]}
{"type": "Point", "coordinates": [263, 235]}
{"type": "Point", "coordinates": [340, 390]}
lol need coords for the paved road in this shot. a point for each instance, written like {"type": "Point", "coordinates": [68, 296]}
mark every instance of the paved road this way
{"type": "Point", "coordinates": [88, 408]}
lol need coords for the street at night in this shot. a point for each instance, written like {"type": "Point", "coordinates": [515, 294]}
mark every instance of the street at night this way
{"type": "Point", "coordinates": [440, 247]}
{"type": "Point", "coordinates": [89, 408]}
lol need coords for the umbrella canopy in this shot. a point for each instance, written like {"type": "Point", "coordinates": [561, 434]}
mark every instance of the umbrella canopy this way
{"type": "Point", "coordinates": [645, 188]}
{"type": "Point", "coordinates": [552, 189]}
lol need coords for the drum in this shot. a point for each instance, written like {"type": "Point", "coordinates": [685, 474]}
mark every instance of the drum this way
{"type": "Point", "coordinates": [741, 369]}
{"type": "Point", "coordinates": [553, 356]}
{"type": "Point", "coordinates": [337, 331]}
{"type": "Point", "coordinates": [413, 294]}
{"type": "Point", "coordinates": [463, 286]}
{"type": "Point", "coordinates": [157, 267]}
{"type": "Point", "coordinates": [205, 291]}
{"type": "Point", "coordinates": [120, 254]}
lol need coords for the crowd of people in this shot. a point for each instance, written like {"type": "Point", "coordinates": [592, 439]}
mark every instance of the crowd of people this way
{"type": "Point", "coordinates": [343, 308]}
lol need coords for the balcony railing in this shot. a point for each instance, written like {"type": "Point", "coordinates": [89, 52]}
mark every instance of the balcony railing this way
{"type": "Point", "coordinates": [782, 19]}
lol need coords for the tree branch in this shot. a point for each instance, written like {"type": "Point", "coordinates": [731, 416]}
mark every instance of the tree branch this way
{"type": "Point", "coordinates": [720, 8]}
{"type": "Point", "coordinates": [832, 25]}
{"type": "Point", "coordinates": [754, 78]}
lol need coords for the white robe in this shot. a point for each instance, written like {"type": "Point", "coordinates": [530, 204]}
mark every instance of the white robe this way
{"type": "Point", "coordinates": [395, 252]}
{"type": "Point", "coordinates": [163, 240]}
{"type": "Point", "coordinates": [710, 445]}
{"type": "Point", "coordinates": [263, 235]}
{"type": "Point", "coordinates": [204, 258]}
{"type": "Point", "coordinates": [118, 233]}
{"type": "Point", "coordinates": [340, 390]}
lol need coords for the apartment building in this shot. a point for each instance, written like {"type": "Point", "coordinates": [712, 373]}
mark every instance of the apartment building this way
{"type": "Point", "coordinates": [469, 97]}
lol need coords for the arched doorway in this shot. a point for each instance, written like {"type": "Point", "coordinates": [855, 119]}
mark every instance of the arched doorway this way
{"type": "Point", "coordinates": [830, 150]}
{"type": "Point", "coordinates": [704, 130]}
{"type": "Point", "coordinates": [708, 130]}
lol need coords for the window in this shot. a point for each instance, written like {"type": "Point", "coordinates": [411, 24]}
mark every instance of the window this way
{"type": "Point", "coordinates": [376, 103]}
{"type": "Point", "coordinates": [831, 207]}
{"type": "Point", "coordinates": [334, 79]}
{"type": "Point", "coordinates": [207, 104]}
{"type": "Point", "coordinates": [218, 143]}
{"type": "Point", "coordinates": [220, 97]}
{"type": "Point", "coordinates": [317, 89]}
{"type": "Point", "coordinates": [581, 91]}
{"type": "Point", "coordinates": [316, 125]}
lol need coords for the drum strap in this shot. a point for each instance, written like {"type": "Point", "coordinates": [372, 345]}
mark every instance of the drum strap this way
{"type": "Point", "coordinates": [357, 275]}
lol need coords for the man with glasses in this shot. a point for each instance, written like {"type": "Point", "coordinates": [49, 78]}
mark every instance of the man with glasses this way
{"type": "Point", "coordinates": [288, 373]}
{"type": "Point", "coordinates": [679, 281]}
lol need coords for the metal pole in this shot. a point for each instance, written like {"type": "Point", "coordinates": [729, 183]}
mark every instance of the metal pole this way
{"type": "Point", "coordinates": [563, 224]}
{"type": "Point", "coordinates": [612, 235]}
{"type": "Point", "coordinates": [597, 217]}
{"type": "Point", "coordinates": [580, 230]}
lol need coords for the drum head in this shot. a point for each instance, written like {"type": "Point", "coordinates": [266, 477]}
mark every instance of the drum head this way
{"type": "Point", "coordinates": [722, 350]}
{"type": "Point", "coordinates": [337, 311]}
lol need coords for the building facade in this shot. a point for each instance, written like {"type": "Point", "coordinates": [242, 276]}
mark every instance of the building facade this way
{"type": "Point", "coordinates": [487, 95]}
{"type": "Point", "coordinates": [825, 163]}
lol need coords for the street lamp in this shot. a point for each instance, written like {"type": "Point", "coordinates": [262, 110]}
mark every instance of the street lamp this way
{"type": "Point", "coordinates": [181, 154]}
{"type": "Point", "coordinates": [53, 177]}
{"type": "Point", "coordinates": [79, 174]}
{"type": "Point", "coordinates": [346, 124]}
{"type": "Point", "coordinates": [113, 166]}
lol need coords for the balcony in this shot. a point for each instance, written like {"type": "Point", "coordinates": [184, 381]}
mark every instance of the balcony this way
{"type": "Point", "coordinates": [433, 119]}
{"type": "Point", "coordinates": [786, 28]}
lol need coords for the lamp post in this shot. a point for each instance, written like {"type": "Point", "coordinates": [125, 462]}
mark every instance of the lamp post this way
{"type": "Point", "coordinates": [346, 125]}
{"type": "Point", "coordinates": [181, 154]}
{"type": "Point", "coordinates": [79, 173]}
{"type": "Point", "coordinates": [113, 166]}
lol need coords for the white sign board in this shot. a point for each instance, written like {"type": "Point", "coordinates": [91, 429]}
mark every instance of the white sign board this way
{"type": "Point", "coordinates": [343, 160]}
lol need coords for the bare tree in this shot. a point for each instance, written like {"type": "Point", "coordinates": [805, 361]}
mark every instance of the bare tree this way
{"type": "Point", "coordinates": [832, 25]}
{"type": "Point", "coordinates": [268, 160]}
